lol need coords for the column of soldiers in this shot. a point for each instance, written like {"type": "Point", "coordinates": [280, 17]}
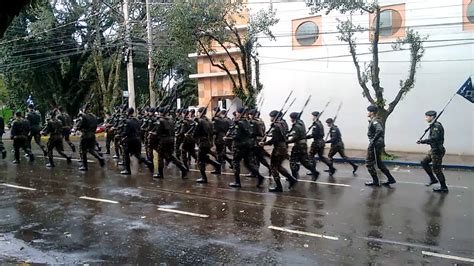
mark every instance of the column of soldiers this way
{"type": "Point", "coordinates": [175, 135]}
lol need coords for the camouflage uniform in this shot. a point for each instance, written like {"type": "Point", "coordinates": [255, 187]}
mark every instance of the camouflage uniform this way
{"type": "Point", "coordinates": [203, 135]}
{"type": "Point", "coordinates": [337, 146]}
{"type": "Point", "coordinates": [54, 128]}
{"type": "Point", "coordinates": [19, 134]}
{"type": "Point", "coordinates": [67, 126]}
{"type": "Point", "coordinates": [35, 129]}
{"type": "Point", "coordinates": [189, 144]}
{"type": "Point", "coordinates": [258, 151]}
{"type": "Point", "coordinates": [132, 145]}
{"type": "Point", "coordinates": [374, 152]}
{"type": "Point", "coordinates": [87, 124]}
{"type": "Point", "coordinates": [318, 144]}
{"type": "Point", "coordinates": [299, 152]}
{"type": "Point", "coordinates": [221, 125]}
{"type": "Point", "coordinates": [435, 155]}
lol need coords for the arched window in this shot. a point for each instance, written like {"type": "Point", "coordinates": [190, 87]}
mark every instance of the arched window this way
{"type": "Point", "coordinates": [307, 33]}
{"type": "Point", "coordinates": [390, 22]}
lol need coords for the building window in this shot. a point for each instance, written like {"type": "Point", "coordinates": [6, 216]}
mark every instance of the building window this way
{"type": "Point", "coordinates": [307, 33]}
{"type": "Point", "coordinates": [390, 22]}
{"type": "Point", "coordinates": [470, 12]}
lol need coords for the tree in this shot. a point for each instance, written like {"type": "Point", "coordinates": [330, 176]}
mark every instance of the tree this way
{"type": "Point", "coordinates": [213, 27]}
{"type": "Point", "coordinates": [348, 31]}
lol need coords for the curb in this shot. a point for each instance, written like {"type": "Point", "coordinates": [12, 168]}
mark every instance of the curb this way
{"type": "Point", "coordinates": [404, 163]}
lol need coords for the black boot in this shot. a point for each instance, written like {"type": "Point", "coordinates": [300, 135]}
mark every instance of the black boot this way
{"type": "Point", "coordinates": [236, 184]}
{"type": "Point", "coordinates": [4, 154]}
{"type": "Point", "coordinates": [442, 189]}
{"type": "Point", "coordinates": [432, 182]}
{"type": "Point", "coordinates": [50, 164]}
{"type": "Point", "coordinates": [125, 172]}
{"type": "Point", "coordinates": [261, 179]}
{"type": "Point", "coordinates": [315, 175]}
{"type": "Point", "coordinates": [203, 179]}
{"type": "Point", "coordinates": [277, 188]}
{"type": "Point", "coordinates": [83, 168]}
{"type": "Point", "coordinates": [159, 175]}
{"type": "Point", "coordinates": [354, 169]}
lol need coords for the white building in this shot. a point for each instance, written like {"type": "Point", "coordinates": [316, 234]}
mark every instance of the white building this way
{"type": "Point", "coordinates": [325, 70]}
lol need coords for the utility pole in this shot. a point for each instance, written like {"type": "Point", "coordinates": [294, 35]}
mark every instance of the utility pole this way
{"type": "Point", "coordinates": [129, 57]}
{"type": "Point", "coordinates": [151, 74]}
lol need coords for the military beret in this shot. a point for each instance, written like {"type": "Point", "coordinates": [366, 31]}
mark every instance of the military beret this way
{"type": "Point", "coordinates": [294, 115]}
{"type": "Point", "coordinates": [372, 108]}
{"type": "Point", "coordinates": [192, 111]}
{"type": "Point", "coordinates": [329, 121]}
{"type": "Point", "coordinates": [223, 111]}
{"type": "Point", "coordinates": [274, 113]}
{"type": "Point", "coordinates": [315, 113]}
{"type": "Point", "coordinates": [151, 110]}
{"type": "Point", "coordinates": [253, 112]}
{"type": "Point", "coordinates": [241, 110]}
{"type": "Point", "coordinates": [202, 109]}
{"type": "Point", "coordinates": [430, 113]}
{"type": "Point", "coordinates": [130, 110]}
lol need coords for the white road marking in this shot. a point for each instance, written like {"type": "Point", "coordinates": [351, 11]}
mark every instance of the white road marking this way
{"type": "Point", "coordinates": [427, 253]}
{"type": "Point", "coordinates": [324, 183]}
{"type": "Point", "coordinates": [397, 243]}
{"type": "Point", "coordinates": [183, 212]}
{"type": "Point", "coordinates": [19, 187]}
{"type": "Point", "coordinates": [302, 233]}
{"type": "Point", "coordinates": [100, 200]}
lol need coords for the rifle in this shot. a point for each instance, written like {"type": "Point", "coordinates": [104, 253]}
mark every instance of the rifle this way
{"type": "Point", "coordinates": [436, 118]}
{"type": "Point", "coordinates": [320, 114]}
{"type": "Point", "coordinates": [334, 119]}
{"type": "Point", "coordinates": [280, 114]}
{"type": "Point", "coordinates": [300, 114]}
{"type": "Point", "coordinates": [191, 129]}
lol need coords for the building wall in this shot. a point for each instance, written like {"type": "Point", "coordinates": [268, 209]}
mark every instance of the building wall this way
{"type": "Point", "coordinates": [326, 72]}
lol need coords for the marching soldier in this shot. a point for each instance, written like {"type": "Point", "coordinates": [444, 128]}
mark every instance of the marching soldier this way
{"type": "Point", "coordinates": [317, 146]}
{"type": "Point", "coordinates": [34, 118]}
{"type": "Point", "coordinates": [436, 153]}
{"type": "Point", "coordinates": [189, 143]}
{"type": "Point", "coordinates": [179, 138]}
{"type": "Point", "coordinates": [279, 152]}
{"type": "Point", "coordinates": [164, 129]}
{"type": "Point", "coordinates": [109, 133]}
{"type": "Point", "coordinates": [337, 146]}
{"type": "Point", "coordinates": [67, 126]}
{"type": "Point", "coordinates": [54, 128]}
{"type": "Point", "coordinates": [374, 152]}
{"type": "Point", "coordinates": [87, 124]}
{"type": "Point", "coordinates": [19, 135]}
{"type": "Point", "coordinates": [2, 131]}
{"type": "Point", "coordinates": [221, 125]}
{"type": "Point", "coordinates": [242, 135]}
{"type": "Point", "coordinates": [258, 132]}
{"type": "Point", "coordinates": [203, 135]}
{"type": "Point", "coordinates": [132, 145]}
{"type": "Point", "coordinates": [299, 152]}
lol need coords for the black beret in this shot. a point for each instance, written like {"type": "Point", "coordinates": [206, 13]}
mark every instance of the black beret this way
{"type": "Point", "coordinates": [274, 113]}
{"type": "Point", "coordinates": [372, 108]}
{"type": "Point", "coordinates": [430, 113]}
{"type": "Point", "coordinates": [253, 112]}
{"type": "Point", "coordinates": [315, 113]}
{"type": "Point", "coordinates": [201, 109]}
{"type": "Point", "coordinates": [294, 115]}
{"type": "Point", "coordinates": [131, 110]}
{"type": "Point", "coordinates": [241, 110]}
{"type": "Point", "coordinates": [329, 120]}
{"type": "Point", "coordinates": [192, 111]}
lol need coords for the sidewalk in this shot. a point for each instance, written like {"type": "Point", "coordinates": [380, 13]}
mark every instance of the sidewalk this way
{"type": "Point", "coordinates": [450, 161]}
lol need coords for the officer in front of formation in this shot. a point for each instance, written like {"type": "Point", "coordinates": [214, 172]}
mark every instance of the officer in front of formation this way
{"type": "Point", "coordinates": [19, 135]}
{"type": "Point", "coordinates": [87, 124]}
{"type": "Point", "coordinates": [436, 153]}
{"type": "Point", "coordinates": [130, 134]}
{"type": "Point", "coordinates": [2, 131]}
{"type": "Point", "coordinates": [299, 152]}
{"type": "Point", "coordinates": [376, 136]}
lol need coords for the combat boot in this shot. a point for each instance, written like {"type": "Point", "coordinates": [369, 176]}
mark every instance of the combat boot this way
{"type": "Point", "coordinates": [261, 179]}
{"type": "Point", "coordinates": [159, 175]}
{"type": "Point", "coordinates": [236, 184]}
{"type": "Point", "coordinates": [125, 172]}
{"type": "Point", "coordinates": [4, 154]}
{"type": "Point", "coordinates": [277, 188]}
{"type": "Point", "coordinates": [442, 189]}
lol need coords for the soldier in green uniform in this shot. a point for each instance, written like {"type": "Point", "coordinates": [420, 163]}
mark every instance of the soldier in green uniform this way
{"type": "Point", "coordinates": [87, 124]}
{"type": "Point", "coordinates": [164, 130]}
{"type": "Point", "coordinates": [299, 152]}
{"type": "Point", "coordinates": [130, 134]}
{"type": "Point", "coordinates": [109, 133]}
{"type": "Point", "coordinates": [19, 135]}
{"type": "Point", "coordinates": [67, 126]}
{"type": "Point", "coordinates": [317, 146]}
{"type": "Point", "coordinates": [337, 146]}
{"type": "Point", "coordinates": [376, 136]}
{"type": "Point", "coordinates": [259, 132]}
{"type": "Point", "coordinates": [279, 152]}
{"type": "Point", "coordinates": [202, 133]}
{"type": "Point", "coordinates": [177, 128]}
{"type": "Point", "coordinates": [54, 128]}
{"type": "Point", "coordinates": [2, 131]}
{"type": "Point", "coordinates": [436, 153]}
{"type": "Point", "coordinates": [34, 118]}
{"type": "Point", "coordinates": [244, 141]}
{"type": "Point", "coordinates": [189, 144]}
{"type": "Point", "coordinates": [221, 124]}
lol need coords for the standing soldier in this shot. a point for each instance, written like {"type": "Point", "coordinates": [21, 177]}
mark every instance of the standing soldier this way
{"type": "Point", "coordinates": [2, 131]}
{"type": "Point", "coordinates": [19, 135]}
{"type": "Point", "coordinates": [337, 146]}
{"type": "Point", "coordinates": [242, 135]}
{"type": "Point", "coordinates": [436, 153]}
{"type": "Point", "coordinates": [299, 152]}
{"type": "Point", "coordinates": [87, 124]}
{"type": "Point", "coordinates": [34, 118]}
{"type": "Point", "coordinates": [221, 125]}
{"type": "Point", "coordinates": [54, 128]}
{"type": "Point", "coordinates": [132, 145]}
{"type": "Point", "coordinates": [259, 131]}
{"type": "Point", "coordinates": [177, 129]}
{"type": "Point", "coordinates": [317, 147]}
{"type": "Point", "coordinates": [279, 153]}
{"type": "Point", "coordinates": [202, 133]}
{"type": "Point", "coordinates": [374, 152]}
{"type": "Point", "coordinates": [164, 130]}
{"type": "Point", "coordinates": [109, 133]}
{"type": "Point", "coordinates": [67, 126]}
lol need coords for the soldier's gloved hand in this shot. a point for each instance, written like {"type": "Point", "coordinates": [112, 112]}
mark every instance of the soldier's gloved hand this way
{"type": "Point", "coordinates": [420, 141]}
{"type": "Point", "coordinates": [261, 143]}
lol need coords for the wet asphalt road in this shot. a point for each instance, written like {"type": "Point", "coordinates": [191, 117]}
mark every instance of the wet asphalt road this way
{"type": "Point", "coordinates": [174, 221]}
